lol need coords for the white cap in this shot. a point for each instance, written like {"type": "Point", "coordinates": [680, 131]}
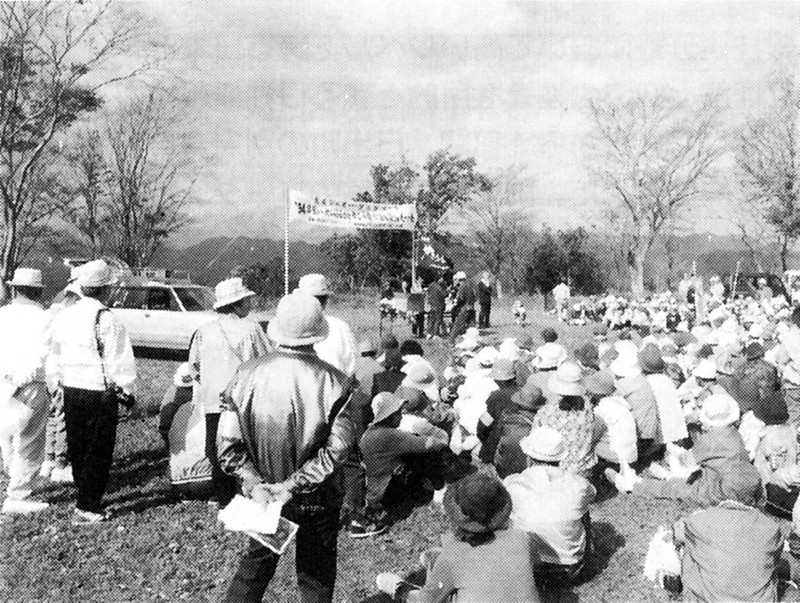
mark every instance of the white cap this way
{"type": "Point", "coordinates": [96, 273]}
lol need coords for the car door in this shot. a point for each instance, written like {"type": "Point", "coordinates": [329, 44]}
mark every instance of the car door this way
{"type": "Point", "coordinates": [163, 318]}
{"type": "Point", "coordinates": [129, 304]}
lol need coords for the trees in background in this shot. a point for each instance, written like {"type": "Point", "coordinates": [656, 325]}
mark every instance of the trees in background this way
{"type": "Point", "coordinates": [652, 155]}
{"type": "Point", "coordinates": [564, 255]}
{"type": "Point", "coordinates": [767, 157]}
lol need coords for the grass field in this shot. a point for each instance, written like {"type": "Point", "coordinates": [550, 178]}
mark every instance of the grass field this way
{"type": "Point", "coordinates": [158, 548]}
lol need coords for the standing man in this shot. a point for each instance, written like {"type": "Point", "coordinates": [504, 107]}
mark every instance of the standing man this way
{"type": "Point", "coordinates": [464, 308]}
{"type": "Point", "coordinates": [217, 350]}
{"type": "Point", "coordinates": [24, 324]}
{"type": "Point", "coordinates": [285, 435]}
{"type": "Point", "coordinates": [436, 302]}
{"type": "Point", "coordinates": [561, 295]}
{"type": "Point", "coordinates": [339, 347]}
{"type": "Point", "coordinates": [93, 361]}
{"type": "Point", "coordinates": [484, 300]}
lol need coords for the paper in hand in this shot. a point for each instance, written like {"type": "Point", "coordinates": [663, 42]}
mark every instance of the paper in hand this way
{"type": "Point", "coordinates": [264, 524]}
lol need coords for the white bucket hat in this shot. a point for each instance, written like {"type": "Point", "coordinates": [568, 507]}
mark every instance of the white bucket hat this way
{"type": "Point", "coordinates": [27, 277]}
{"type": "Point", "coordinates": [96, 273]}
{"type": "Point", "coordinates": [544, 444]}
{"type": "Point", "coordinates": [706, 369]}
{"type": "Point", "coordinates": [626, 364]}
{"type": "Point", "coordinates": [314, 284]}
{"type": "Point", "coordinates": [422, 377]}
{"type": "Point", "coordinates": [719, 410]}
{"type": "Point", "coordinates": [567, 380]}
{"type": "Point", "coordinates": [229, 292]}
{"type": "Point", "coordinates": [298, 321]}
{"type": "Point", "coordinates": [549, 355]}
{"type": "Point", "coordinates": [384, 405]}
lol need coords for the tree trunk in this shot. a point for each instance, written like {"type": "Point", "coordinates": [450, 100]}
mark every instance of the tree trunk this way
{"type": "Point", "coordinates": [636, 270]}
{"type": "Point", "coordinates": [9, 258]}
{"type": "Point", "coordinates": [785, 254]}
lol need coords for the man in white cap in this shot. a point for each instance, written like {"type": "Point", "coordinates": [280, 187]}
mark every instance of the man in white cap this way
{"type": "Point", "coordinates": [217, 350]}
{"type": "Point", "coordinates": [92, 359]}
{"type": "Point", "coordinates": [285, 433]}
{"type": "Point", "coordinates": [553, 505]}
{"type": "Point", "coordinates": [24, 399]}
{"type": "Point", "coordinates": [339, 347]}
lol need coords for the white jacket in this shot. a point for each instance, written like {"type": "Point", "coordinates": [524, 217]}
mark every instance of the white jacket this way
{"type": "Point", "coordinates": [26, 342]}
{"type": "Point", "coordinates": [670, 411]}
{"type": "Point", "coordinates": [339, 347]}
{"type": "Point", "coordinates": [75, 358]}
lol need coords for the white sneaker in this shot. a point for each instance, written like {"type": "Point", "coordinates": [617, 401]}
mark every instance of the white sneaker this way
{"type": "Point", "coordinates": [47, 468]}
{"type": "Point", "coordinates": [620, 482]}
{"type": "Point", "coordinates": [83, 518]}
{"type": "Point", "coordinates": [23, 507]}
{"type": "Point", "coordinates": [659, 471]}
{"type": "Point", "coordinates": [62, 475]}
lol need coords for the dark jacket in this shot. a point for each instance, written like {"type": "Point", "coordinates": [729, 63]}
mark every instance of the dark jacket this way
{"type": "Point", "coordinates": [762, 374]}
{"type": "Point", "coordinates": [496, 404]}
{"type": "Point", "coordinates": [484, 293]}
{"type": "Point", "coordinates": [386, 381]}
{"type": "Point", "coordinates": [436, 297]}
{"type": "Point", "coordinates": [465, 299]}
{"type": "Point", "coordinates": [514, 425]}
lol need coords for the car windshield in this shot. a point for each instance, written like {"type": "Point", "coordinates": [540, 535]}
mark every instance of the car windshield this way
{"type": "Point", "coordinates": [196, 299]}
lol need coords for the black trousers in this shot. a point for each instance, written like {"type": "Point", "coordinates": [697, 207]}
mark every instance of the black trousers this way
{"type": "Point", "coordinates": [317, 514]}
{"type": "Point", "coordinates": [436, 322]}
{"type": "Point", "coordinates": [485, 308]}
{"type": "Point", "coordinates": [224, 485]}
{"type": "Point", "coordinates": [91, 434]}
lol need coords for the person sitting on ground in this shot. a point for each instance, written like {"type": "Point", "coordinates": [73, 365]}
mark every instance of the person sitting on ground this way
{"type": "Point", "coordinates": [552, 504]}
{"type": "Point", "coordinates": [546, 360]}
{"type": "Point", "coordinates": [572, 417]}
{"type": "Point", "coordinates": [673, 370]}
{"type": "Point", "coordinates": [479, 507]}
{"type": "Point", "coordinates": [396, 463]}
{"type": "Point", "coordinates": [515, 423]}
{"type": "Point", "coordinates": [632, 385]}
{"type": "Point", "coordinates": [758, 370]}
{"type": "Point", "coordinates": [410, 349]}
{"type": "Point", "coordinates": [672, 425]}
{"type": "Point", "coordinates": [730, 550]}
{"type": "Point", "coordinates": [421, 378]}
{"type": "Point", "coordinates": [178, 393]}
{"type": "Point", "coordinates": [496, 404]}
{"type": "Point", "coordinates": [719, 456]}
{"type": "Point", "coordinates": [614, 425]}
{"type": "Point", "coordinates": [588, 358]}
{"type": "Point", "coordinates": [392, 376]}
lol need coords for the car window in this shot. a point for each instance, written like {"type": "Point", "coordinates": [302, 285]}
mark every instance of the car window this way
{"type": "Point", "coordinates": [130, 298]}
{"type": "Point", "coordinates": [195, 299]}
{"type": "Point", "coordinates": [159, 298]}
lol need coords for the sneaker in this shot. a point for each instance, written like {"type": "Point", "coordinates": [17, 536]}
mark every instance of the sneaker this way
{"type": "Point", "coordinates": [616, 479]}
{"type": "Point", "coordinates": [47, 468]}
{"type": "Point", "coordinates": [23, 507]}
{"type": "Point", "coordinates": [86, 518]}
{"type": "Point", "coordinates": [62, 475]}
{"type": "Point", "coordinates": [365, 529]}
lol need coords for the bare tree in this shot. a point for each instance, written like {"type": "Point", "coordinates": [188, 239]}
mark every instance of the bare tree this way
{"type": "Point", "coordinates": [653, 155]}
{"type": "Point", "coordinates": [55, 57]}
{"type": "Point", "coordinates": [768, 159]}
{"type": "Point", "coordinates": [151, 176]}
{"type": "Point", "coordinates": [495, 217]}
{"type": "Point", "coordinates": [90, 183]}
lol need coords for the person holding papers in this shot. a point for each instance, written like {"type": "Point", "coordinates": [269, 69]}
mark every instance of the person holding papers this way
{"type": "Point", "coordinates": [285, 432]}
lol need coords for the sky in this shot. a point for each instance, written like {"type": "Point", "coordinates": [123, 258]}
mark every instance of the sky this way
{"type": "Point", "coordinates": [309, 95]}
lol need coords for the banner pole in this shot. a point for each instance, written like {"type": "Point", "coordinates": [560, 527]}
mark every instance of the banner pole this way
{"type": "Point", "coordinates": [286, 245]}
{"type": "Point", "coordinates": [413, 257]}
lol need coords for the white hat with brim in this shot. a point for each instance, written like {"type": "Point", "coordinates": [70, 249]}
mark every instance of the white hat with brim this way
{"type": "Point", "coordinates": [298, 321]}
{"type": "Point", "coordinates": [384, 405]}
{"type": "Point", "coordinates": [719, 410]}
{"type": "Point", "coordinates": [625, 366]}
{"type": "Point", "coordinates": [421, 376]}
{"type": "Point", "coordinates": [544, 444]}
{"type": "Point", "coordinates": [27, 277]}
{"type": "Point", "coordinates": [460, 275]}
{"type": "Point", "coordinates": [314, 284]}
{"type": "Point", "coordinates": [567, 380]}
{"type": "Point", "coordinates": [95, 274]}
{"type": "Point", "coordinates": [550, 355]}
{"type": "Point", "coordinates": [706, 369]}
{"type": "Point", "coordinates": [229, 292]}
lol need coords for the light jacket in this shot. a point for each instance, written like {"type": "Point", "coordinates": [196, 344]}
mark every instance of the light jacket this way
{"type": "Point", "coordinates": [25, 326]}
{"type": "Point", "coordinates": [339, 348]}
{"type": "Point", "coordinates": [670, 411]}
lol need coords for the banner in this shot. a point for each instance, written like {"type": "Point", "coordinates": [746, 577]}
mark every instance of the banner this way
{"type": "Point", "coordinates": [353, 214]}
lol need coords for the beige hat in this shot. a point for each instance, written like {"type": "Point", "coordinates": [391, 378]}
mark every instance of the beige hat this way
{"type": "Point", "coordinates": [183, 376]}
{"type": "Point", "coordinates": [314, 284]}
{"type": "Point", "coordinates": [550, 355]}
{"type": "Point", "coordinates": [719, 410]}
{"type": "Point", "coordinates": [230, 291]}
{"type": "Point", "coordinates": [96, 273]}
{"type": "Point", "coordinates": [421, 376]}
{"type": "Point", "coordinates": [706, 369]}
{"type": "Point", "coordinates": [567, 380]}
{"type": "Point", "coordinates": [27, 277]}
{"type": "Point", "coordinates": [544, 444]}
{"type": "Point", "coordinates": [384, 405]}
{"type": "Point", "coordinates": [503, 370]}
{"type": "Point", "coordinates": [298, 321]}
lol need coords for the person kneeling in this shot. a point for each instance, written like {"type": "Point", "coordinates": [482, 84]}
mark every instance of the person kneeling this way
{"type": "Point", "coordinates": [552, 505]}
{"type": "Point", "coordinates": [395, 462]}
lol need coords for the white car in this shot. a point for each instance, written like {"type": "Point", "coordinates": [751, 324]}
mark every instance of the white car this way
{"type": "Point", "coordinates": [163, 316]}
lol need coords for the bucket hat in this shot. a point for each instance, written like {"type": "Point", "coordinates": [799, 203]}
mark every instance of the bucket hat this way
{"type": "Point", "coordinates": [298, 321]}
{"type": "Point", "coordinates": [314, 284]}
{"type": "Point", "coordinates": [96, 273]}
{"type": "Point", "coordinates": [421, 376]}
{"type": "Point", "coordinates": [600, 383]}
{"type": "Point", "coordinates": [385, 405]}
{"type": "Point", "coordinates": [567, 380]}
{"type": "Point", "coordinates": [503, 370]}
{"type": "Point", "coordinates": [229, 292]}
{"type": "Point", "coordinates": [544, 444]}
{"type": "Point", "coordinates": [719, 410]}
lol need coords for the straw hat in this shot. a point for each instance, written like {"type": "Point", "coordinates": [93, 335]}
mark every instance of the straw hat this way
{"type": "Point", "coordinates": [27, 277]}
{"type": "Point", "coordinates": [567, 380]}
{"type": "Point", "coordinates": [229, 292]}
{"type": "Point", "coordinates": [298, 321]}
{"type": "Point", "coordinates": [314, 284]}
{"type": "Point", "coordinates": [183, 376]}
{"type": "Point", "coordinates": [384, 405]}
{"type": "Point", "coordinates": [544, 444]}
{"type": "Point", "coordinates": [96, 273]}
{"type": "Point", "coordinates": [719, 410]}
